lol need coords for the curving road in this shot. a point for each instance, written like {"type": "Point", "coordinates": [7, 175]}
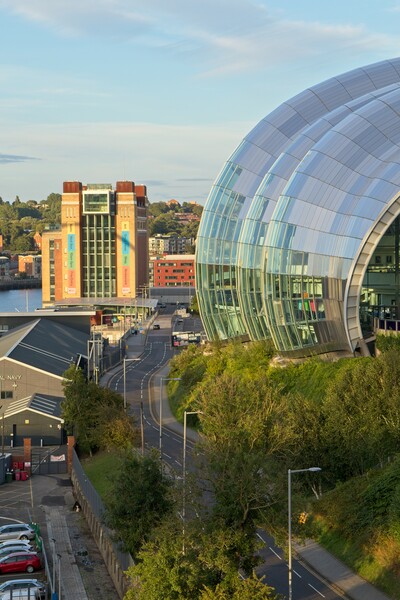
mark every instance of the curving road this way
{"type": "Point", "coordinates": [143, 399]}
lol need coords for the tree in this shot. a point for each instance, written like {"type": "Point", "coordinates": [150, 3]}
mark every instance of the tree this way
{"type": "Point", "coordinates": [77, 408]}
{"type": "Point", "coordinates": [95, 415]}
{"type": "Point", "coordinates": [139, 500]}
{"type": "Point", "coordinates": [157, 208]}
{"type": "Point", "coordinates": [207, 569]}
{"type": "Point", "coordinates": [251, 588]}
{"type": "Point", "coordinates": [23, 243]}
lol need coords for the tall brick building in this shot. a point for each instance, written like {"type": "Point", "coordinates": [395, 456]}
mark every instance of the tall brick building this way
{"type": "Point", "coordinates": [103, 243]}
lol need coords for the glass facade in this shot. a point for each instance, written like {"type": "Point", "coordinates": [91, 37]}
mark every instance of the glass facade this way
{"type": "Point", "coordinates": [295, 215]}
{"type": "Point", "coordinates": [98, 256]}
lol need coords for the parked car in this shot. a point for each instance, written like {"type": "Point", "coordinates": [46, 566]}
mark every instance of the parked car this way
{"type": "Point", "coordinates": [21, 589]}
{"type": "Point", "coordinates": [17, 548]}
{"type": "Point", "coordinates": [20, 594]}
{"type": "Point", "coordinates": [15, 542]}
{"type": "Point", "coordinates": [20, 562]}
{"type": "Point", "coordinates": [156, 326]}
{"type": "Point", "coordinates": [20, 531]}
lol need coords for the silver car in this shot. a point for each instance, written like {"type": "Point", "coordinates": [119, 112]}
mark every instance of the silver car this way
{"type": "Point", "coordinates": [20, 531]}
{"type": "Point", "coordinates": [36, 588]}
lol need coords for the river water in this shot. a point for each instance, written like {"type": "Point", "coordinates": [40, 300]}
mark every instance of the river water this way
{"type": "Point", "coordinates": [20, 300]}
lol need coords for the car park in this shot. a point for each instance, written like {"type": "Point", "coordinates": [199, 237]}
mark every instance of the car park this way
{"type": "Point", "coordinates": [23, 588]}
{"type": "Point", "coordinates": [20, 531]}
{"type": "Point", "coordinates": [20, 562]}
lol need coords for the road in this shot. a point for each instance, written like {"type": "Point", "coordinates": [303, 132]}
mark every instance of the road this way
{"type": "Point", "coordinates": [139, 375]}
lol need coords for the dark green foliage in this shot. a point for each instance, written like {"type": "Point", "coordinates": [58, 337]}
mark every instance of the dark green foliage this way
{"type": "Point", "coordinates": [95, 415]}
{"type": "Point", "coordinates": [207, 569]}
{"type": "Point", "coordinates": [165, 222]}
{"type": "Point", "coordinates": [15, 218]}
{"type": "Point", "coordinates": [139, 500]}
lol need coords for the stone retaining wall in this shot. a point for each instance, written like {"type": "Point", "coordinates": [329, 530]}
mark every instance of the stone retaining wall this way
{"type": "Point", "coordinates": [102, 539]}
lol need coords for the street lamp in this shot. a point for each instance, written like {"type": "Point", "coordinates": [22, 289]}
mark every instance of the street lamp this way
{"type": "Point", "coordinates": [161, 417]}
{"type": "Point", "coordinates": [59, 576]}
{"type": "Point", "coordinates": [125, 361]}
{"type": "Point", "coordinates": [290, 472]}
{"type": "Point", "coordinates": [185, 414]}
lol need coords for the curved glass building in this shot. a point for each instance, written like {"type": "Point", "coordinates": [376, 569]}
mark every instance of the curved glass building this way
{"type": "Point", "coordinates": [299, 238]}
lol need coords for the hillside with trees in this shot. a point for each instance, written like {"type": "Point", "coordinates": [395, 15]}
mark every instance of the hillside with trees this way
{"type": "Point", "coordinates": [258, 420]}
{"type": "Point", "coordinates": [19, 221]}
{"type": "Point", "coordinates": [169, 218]}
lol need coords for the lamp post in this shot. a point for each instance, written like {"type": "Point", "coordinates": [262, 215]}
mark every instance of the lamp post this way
{"type": "Point", "coordinates": [125, 361]}
{"type": "Point", "coordinates": [54, 564]}
{"type": "Point", "coordinates": [290, 473]}
{"type": "Point", "coordinates": [59, 576]}
{"type": "Point", "coordinates": [185, 414]}
{"type": "Point", "coordinates": [161, 415]}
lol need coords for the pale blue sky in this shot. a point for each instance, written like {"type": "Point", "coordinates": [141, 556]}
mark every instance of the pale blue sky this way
{"type": "Point", "coordinates": [162, 91]}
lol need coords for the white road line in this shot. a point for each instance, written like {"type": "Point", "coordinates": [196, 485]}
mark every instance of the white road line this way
{"type": "Point", "coordinates": [261, 538]}
{"type": "Point", "coordinates": [315, 590]}
{"type": "Point", "coordinates": [167, 455]}
{"type": "Point", "coordinates": [272, 550]}
{"type": "Point", "coordinates": [296, 573]}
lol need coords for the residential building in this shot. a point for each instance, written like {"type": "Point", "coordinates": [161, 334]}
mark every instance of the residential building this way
{"type": "Point", "coordinates": [173, 270]}
{"type": "Point", "coordinates": [104, 243]}
{"type": "Point", "coordinates": [160, 244]}
{"type": "Point", "coordinates": [299, 238]}
{"type": "Point", "coordinates": [31, 265]}
{"type": "Point", "coordinates": [37, 238]}
{"type": "Point", "coordinates": [4, 266]}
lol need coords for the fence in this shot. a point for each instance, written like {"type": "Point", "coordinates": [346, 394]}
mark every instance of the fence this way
{"type": "Point", "coordinates": [93, 509]}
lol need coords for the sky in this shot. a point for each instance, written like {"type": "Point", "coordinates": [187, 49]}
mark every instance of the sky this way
{"type": "Point", "coordinates": [161, 92]}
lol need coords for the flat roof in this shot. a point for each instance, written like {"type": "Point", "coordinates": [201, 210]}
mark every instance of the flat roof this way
{"type": "Point", "coordinates": [141, 302]}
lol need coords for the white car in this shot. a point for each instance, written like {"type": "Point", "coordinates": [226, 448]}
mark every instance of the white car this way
{"type": "Point", "coordinates": [22, 543]}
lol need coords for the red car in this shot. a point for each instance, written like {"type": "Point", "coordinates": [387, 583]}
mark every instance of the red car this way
{"type": "Point", "coordinates": [19, 562]}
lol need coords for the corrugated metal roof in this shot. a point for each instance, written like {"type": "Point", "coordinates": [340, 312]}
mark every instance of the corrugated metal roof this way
{"type": "Point", "coordinates": [45, 345]}
{"type": "Point", "coordinates": [40, 403]}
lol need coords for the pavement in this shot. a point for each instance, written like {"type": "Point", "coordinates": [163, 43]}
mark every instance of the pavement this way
{"type": "Point", "coordinates": [337, 573]}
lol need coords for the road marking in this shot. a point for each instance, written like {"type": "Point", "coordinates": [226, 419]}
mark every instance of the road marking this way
{"type": "Point", "coordinates": [272, 550]}
{"type": "Point", "coordinates": [261, 538]}
{"type": "Point", "coordinates": [167, 455]}
{"type": "Point", "coordinates": [315, 590]}
{"type": "Point", "coordinates": [296, 573]}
